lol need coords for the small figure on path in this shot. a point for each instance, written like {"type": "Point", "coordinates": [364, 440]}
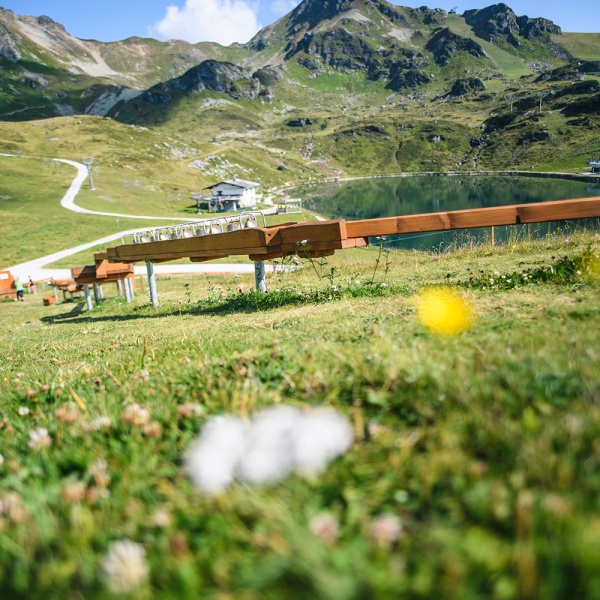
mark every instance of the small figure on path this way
{"type": "Point", "coordinates": [32, 288]}
{"type": "Point", "coordinates": [19, 288]}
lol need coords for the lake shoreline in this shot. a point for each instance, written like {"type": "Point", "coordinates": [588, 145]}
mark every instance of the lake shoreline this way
{"type": "Point", "coordinates": [580, 177]}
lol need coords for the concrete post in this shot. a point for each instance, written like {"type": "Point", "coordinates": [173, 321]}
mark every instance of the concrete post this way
{"type": "Point", "coordinates": [88, 296]}
{"type": "Point", "coordinates": [152, 283]}
{"type": "Point", "coordinates": [96, 293]}
{"type": "Point", "coordinates": [260, 275]}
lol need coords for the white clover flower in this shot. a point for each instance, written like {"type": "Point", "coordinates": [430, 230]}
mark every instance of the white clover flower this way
{"type": "Point", "coordinates": [189, 409]}
{"type": "Point", "coordinates": [101, 422]}
{"type": "Point", "coordinates": [98, 470]}
{"type": "Point", "coordinates": [270, 441]}
{"type": "Point", "coordinates": [161, 517]}
{"type": "Point", "coordinates": [39, 439]}
{"type": "Point", "coordinates": [325, 526]}
{"type": "Point", "coordinates": [386, 530]}
{"type": "Point", "coordinates": [275, 443]}
{"type": "Point", "coordinates": [136, 415]}
{"type": "Point", "coordinates": [23, 411]}
{"type": "Point", "coordinates": [124, 567]}
{"type": "Point", "coordinates": [320, 436]}
{"type": "Point", "coordinates": [213, 458]}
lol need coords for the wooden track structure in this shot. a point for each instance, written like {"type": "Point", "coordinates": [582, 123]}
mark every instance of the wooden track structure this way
{"type": "Point", "coordinates": [101, 271]}
{"type": "Point", "coordinates": [323, 238]}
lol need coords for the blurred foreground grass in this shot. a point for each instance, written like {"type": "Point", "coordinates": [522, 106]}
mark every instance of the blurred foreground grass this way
{"type": "Point", "coordinates": [475, 467]}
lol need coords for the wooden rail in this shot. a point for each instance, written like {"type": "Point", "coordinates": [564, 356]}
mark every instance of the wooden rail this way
{"type": "Point", "coordinates": [323, 238]}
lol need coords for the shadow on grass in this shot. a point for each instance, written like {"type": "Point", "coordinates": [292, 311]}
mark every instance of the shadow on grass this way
{"type": "Point", "coordinates": [251, 302]}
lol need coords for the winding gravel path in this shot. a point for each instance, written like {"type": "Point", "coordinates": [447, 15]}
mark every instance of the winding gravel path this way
{"type": "Point", "coordinates": [37, 270]}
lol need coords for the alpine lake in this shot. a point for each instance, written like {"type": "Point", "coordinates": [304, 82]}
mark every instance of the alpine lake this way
{"type": "Point", "coordinates": [396, 196]}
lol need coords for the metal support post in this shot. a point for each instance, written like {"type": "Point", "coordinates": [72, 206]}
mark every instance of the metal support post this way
{"type": "Point", "coordinates": [101, 291]}
{"type": "Point", "coordinates": [55, 294]}
{"type": "Point", "coordinates": [260, 275]}
{"type": "Point", "coordinates": [127, 290]}
{"type": "Point", "coordinates": [119, 287]}
{"type": "Point", "coordinates": [96, 293]}
{"type": "Point", "coordinates": [152, 283]}
{"type": "Point", "coordinates": [88, 296]}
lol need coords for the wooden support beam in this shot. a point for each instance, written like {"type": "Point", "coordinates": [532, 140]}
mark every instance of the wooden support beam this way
{"type": "Point", "coordinates": [478, 217]}
{"type": "Point", "coordinates": [322, 238]}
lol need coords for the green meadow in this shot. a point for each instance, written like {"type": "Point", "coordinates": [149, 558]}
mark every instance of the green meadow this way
{"type": "Point", "coordinates": [473, 471]}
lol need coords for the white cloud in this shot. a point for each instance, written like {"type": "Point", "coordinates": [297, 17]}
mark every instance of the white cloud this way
{"type": "Point", "coordinates": [222, 21]}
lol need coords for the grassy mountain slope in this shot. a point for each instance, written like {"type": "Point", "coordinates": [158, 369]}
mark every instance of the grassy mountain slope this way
{"type": "Point", "coordinates": [350, 87]}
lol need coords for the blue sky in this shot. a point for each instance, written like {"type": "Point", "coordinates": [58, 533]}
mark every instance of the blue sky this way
{"type": "Point", "coordinates": [226, 21]}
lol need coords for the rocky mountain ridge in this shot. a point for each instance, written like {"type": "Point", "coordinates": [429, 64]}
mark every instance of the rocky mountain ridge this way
{"type": "Point", "coordinates": [389, 43]}
{"type": "Point", "coordinates": [333, 85]}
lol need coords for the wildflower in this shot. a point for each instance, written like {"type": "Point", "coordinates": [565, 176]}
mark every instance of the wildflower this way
{"type": "Point", "coordinates": [68, 413]}
{"type": "Point", "coordinates": [124, 567]}
{"type": "Point", "coordinates": [325, 526]}
{"type": "Point", "coordinates": [1, 460]}
{"type": "Point", "coordinates": [39, 439]}
{"type": "Point", "coordinates": [136, 415]}
{"type": "Point", "coordinates": [385, 530]}
{"type": "Point", "coordinates": [319, 437]}
{"type": "Point", "coordinates": [268, 457]}
{"type": "Point", "coordinates": [443, 311]}
{"type": "Point", "coordinates": [74, 492]}
{"type": "Point", "coordinates": [161, 517]}
{"type": "Point", "coordinates": [357, 282]}
{"type": "Point", "coordinates": [23, 411]}
{"type": "Point", "coordinates": [98, 470]}
{"type": "Point", "coordinates": [276, 442]}
{"type": "Point", "coordinates": [189, 409]}
{"type": "Point", "coordinates": [212, 459]}
{"type": "Point", "coordinates": [101, 422]}
{"type": "Point", "coordinates": [11, 505]}
{"type": "Point", "coordinates": [152, 429]}
{"type": "Point", "coordinates": [383, 284]}
{"type": "Point", "coordinates": [44, 387]}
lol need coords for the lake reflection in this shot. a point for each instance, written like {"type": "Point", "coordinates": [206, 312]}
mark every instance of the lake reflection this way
{"type": "Point", "coordinates": [388, 197]}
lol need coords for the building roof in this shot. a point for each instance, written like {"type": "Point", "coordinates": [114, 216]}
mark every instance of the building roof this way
{"type": "Point", "coordinates": [241, 183]}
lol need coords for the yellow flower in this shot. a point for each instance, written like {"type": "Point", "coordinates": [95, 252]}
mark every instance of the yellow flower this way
{"type": "Point", "coordinates": [444, 311]}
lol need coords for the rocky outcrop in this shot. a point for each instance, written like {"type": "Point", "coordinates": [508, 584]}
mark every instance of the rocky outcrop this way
{"type": "Point", "coordinates": [303, 122]}
{"type": "Point", "coordinates": [8, 46]}
{"type": "Point", "coordinates": [500, 21]}
{"type": "Point", "coordinates": [575, 70]}
{"type": "Point", "coordinates": [268, 76]}
{"type": "Point", "coordinates": [338, 48]}
{"type": "Point", "coordinates": [211, 75]}
{"type": "Point", "coordinates": [223, 77]}
{"type": "Point", "coordinates": [444, 45]}
{"type": "Point", "coordinates": [401, 79]}
{"type": "Point", "coordinates": [462, 87]}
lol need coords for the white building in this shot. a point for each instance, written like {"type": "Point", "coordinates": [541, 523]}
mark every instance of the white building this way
{"type": "Point", "coordinates": [231, 195]}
